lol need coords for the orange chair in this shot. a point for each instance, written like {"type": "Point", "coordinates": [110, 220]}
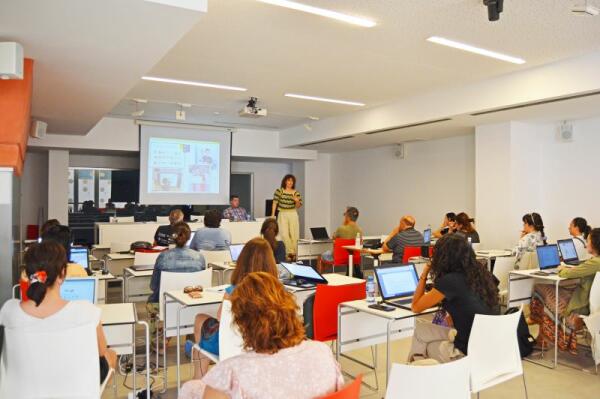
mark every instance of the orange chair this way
{"type": "Point", "coordinates": [325, 313]}
{"type": "Point", "coordinates": [409, 252]}
{"type": "Point", "coordinates": [350, 391]}
{"type": "Point", "coordinates": [340, 255]}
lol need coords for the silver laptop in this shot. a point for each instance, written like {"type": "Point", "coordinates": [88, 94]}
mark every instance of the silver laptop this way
{"type": "Point", "coordinates": [569, 252]}
{"type": "Point", "coordinates": [79, 289]}
{"type": "Point", "coordinates": [397, 284]}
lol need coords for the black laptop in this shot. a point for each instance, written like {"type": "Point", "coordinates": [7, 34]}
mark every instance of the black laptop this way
{"type": "Point", "coordinates": [303, 276]}
{"type": "Point", "coordinates": [569, 252]}
{"type": "Point", "coordinates": [397, 284]}
{"type": "Point", "coordinates": [319, 233]}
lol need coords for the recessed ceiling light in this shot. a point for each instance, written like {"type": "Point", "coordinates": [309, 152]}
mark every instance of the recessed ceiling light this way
{"type": "Point", "coordinates": [476, 50]}
{"type": "Point", "coordinates": [193, 83]}
{"type": "Point", "coordinates": [322, 12]}
{"type": "Point", "coordinates": [327, 100]}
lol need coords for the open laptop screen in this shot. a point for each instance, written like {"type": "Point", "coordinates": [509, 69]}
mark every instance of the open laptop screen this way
{"type": "Point", "coordinates": [80, 256]}
{"type": "Point", "coordinates": [427, 236]}
{"type": "Point", "coordinates": [397, 281]}
{"type": "Point", "coordinates": [548, 256]}
{"type": "Point", "coordinates": [187, 244]}
{"type": "Point", "coordinates": [235, 251]}
{"type": "Point", "coordinates": [319, 233]}
{"type": "Point", "coordinates": [567, 249]}
{"type": "Point", "coordinates": [303, 271]}
{"type": "Point", "coordinates": [77, 289]}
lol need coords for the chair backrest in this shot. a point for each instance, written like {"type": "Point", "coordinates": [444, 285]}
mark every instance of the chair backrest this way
{"type": "Point", "coordinates": [230, 340]}
{"type": "Point", "coordinates": [340, 255]}
{"type": "Point", "coordinates": [163, 219]}
{"type": "Point", "coordinates": [451, 381]}
{"type": "Point", "coordinates": [595, 295]}
{"type": "Point", "coordinates": [119, 247]}
{"type": "Point", "coordinates": [529, 260]}
{"type": "Point", "coordinates": [409, 252]}
{"type": "Point", "coordinates": [145, 258]}
{"type": "Point", "coordinates": [503, 266]}
{"type": "Point", "coordinates": [592, 323]}
{"type": "Point", "coordinates": [216, 256]}
{"type": "Point", "coordinates": [71, 352]}
{"type": "Point", "coordinates": [121, 219]}
{"type": "Point", "coordinates": [476, 246]}
{"type": "Point", "coordinates": [327, 299]}
{"type": "Point", "coordinates": [172, 281]}
{"type": "Point", "coordinates": [350, 391]}
{"type": "Point", "coordinates": [494, 350]}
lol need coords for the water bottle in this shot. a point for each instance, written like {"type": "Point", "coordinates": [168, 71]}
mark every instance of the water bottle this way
{"type": "Point", "coordinates": [370, 290]}
{"type": "Point", "coordinates": [357, 242]}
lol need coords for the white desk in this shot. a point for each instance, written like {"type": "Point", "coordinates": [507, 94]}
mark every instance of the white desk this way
{"type": "Point", "coordinates": [222, 268]}
{"type": "Point", "coordinates": [136, 285]}
{"type": "Point", "coordinates": [209, 304]}
{"type": "Point", "coordinates": [360, 326]}
{"type": "Point", "coordinates": [118, 322]}
{"type": "Point", "coordinates": [103, 280]}
{"type": "Point", "coordinates": [491, 254]}
{"type": "Point", "coordinates": [100, 250]}
{"type": "Point", "coordinates": [520, 289]}
{"type": "Point", "coordinates": [312, 249]}
{"type": "Point", "coordinates": [116, 262]}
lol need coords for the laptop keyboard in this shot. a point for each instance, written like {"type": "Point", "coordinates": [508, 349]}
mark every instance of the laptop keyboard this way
{"type": "Point", "coordinates": [405, 301]}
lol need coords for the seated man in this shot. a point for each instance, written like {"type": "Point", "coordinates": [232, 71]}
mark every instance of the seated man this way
{"type": "Point", "coordinates": [347, 230]}
{"type": "Point", "coordinates": [235, 212]}
{"type": "Point", "coordinates": [164, 234]}
{"type": "Point", "coordinates": [401, 237]}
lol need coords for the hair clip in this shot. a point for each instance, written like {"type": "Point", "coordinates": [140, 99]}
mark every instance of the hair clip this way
{"type": "Point", "coordinates": [38, 277]}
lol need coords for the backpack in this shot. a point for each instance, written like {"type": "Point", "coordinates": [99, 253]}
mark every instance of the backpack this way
{"type": "Point", "coordinates": [524, 338]}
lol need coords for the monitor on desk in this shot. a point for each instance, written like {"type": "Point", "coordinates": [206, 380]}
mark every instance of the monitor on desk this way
{"type": "Point", "coordinates": [80, 255]}
{"type": "Point", "coordinates": [79, 289]}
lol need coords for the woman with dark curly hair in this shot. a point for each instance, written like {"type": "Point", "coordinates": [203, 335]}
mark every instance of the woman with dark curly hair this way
{"type": "Point", "coordinates": [278, 355]}
{"type": "Point", "coordinates": [464, 288]}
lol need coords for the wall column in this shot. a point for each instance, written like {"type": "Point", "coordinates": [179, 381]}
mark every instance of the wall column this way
{"type": "Point", "coordinates": [58, 185]}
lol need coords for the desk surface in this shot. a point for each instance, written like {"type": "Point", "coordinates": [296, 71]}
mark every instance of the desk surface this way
{"type": "Point", "coordinates": [117, 313]}
{"type": "Point", "coordinates": [333, 279]}
{"type": "Point", "coordinates": [493, 253]}
{"type": "Point", "coordinates": [363, 306]}
{"type": "Point", "coordinates": [118, 256]}
{"type": "Point", "coordinates": [530, 274]}
{"type": "Point", "coordinates": [101, 276]}
{"type": "Point", "coordinates": [222, 265]}
{"type": "Point", "coordinates": [138, 273]}
{"type": "Point", "coordinates": [208, 297]}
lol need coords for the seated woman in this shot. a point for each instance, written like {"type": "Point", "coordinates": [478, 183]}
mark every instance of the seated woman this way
{"type": "Point", "coordinates": [269, 231]}
{"type": "Point", "coordinates": [579, 229]}
{"type": "Point", "coordinates": [448, 225]}
{"type": "Point", "coordinates": [46, 270]}
{"type": "Point", "coordinates": [257, 256]}
{"type": "Point", "coordinates": [573, 300]}
{"type": "Point", "coordinates": [62, 235]}
{"type": "Point", "coordinates": [463, 287]}
{"type": "Point", "coordinates": [279, 363]}
{"type": "Point", "coordinates": [464, 227]}
{"type": "Point", "coordinates": [212, 237]}
{"type": "Point", "coordinates": [179, 259]}
{"type": "Point", "coordinates": [532, 235]}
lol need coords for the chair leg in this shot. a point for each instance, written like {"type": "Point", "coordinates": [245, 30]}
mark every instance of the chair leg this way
{"type": "Point", "coordinates": [525, 386]}
{"type": "Point", "coordinates": [374, 355]}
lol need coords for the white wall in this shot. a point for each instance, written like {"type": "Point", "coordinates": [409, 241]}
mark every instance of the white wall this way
{"type": "Point", "coordinates": [267, 177]}
{"type": "Point", "coordinates": [104, 161]}
{"type": "Point", "coordinates": [317, 194]}
{"type": "Point", "coordinates": [435, 177]}
{"type": "Point", "coordinates": [34, 188]}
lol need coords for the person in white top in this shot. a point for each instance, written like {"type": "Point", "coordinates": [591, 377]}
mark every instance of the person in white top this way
{"type": "Point", "coordinates": [43, 309]}
{"type": "Point", "coordinates": [579, 229]}
{"type": "Point", "coordinates": [532, 235]}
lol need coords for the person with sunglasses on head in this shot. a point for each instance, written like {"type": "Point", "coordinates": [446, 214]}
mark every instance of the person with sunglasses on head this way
{"type": "Point", "coordinates": [532, 235]}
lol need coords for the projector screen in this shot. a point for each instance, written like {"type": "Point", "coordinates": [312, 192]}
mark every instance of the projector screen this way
{"type": "Point", "coordinates": [186, 166]}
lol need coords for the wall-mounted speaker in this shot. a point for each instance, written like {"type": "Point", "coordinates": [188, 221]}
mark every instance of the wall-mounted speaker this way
{"type": "Point", "coordinates": [38, 129]}
{"type": "Point", "coordinates": [566, 131]}
{"type": "Point", "coordinates": [399, 151]}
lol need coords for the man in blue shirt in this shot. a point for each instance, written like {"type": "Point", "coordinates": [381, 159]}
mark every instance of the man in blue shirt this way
{"type": "Point", "coordinates": [235, 212]}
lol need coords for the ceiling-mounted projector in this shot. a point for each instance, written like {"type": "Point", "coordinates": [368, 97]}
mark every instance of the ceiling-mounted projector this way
{"type": "Point", "coordinates": [11, 60]}
{"type": "Point", "coordinates": [251, 110]}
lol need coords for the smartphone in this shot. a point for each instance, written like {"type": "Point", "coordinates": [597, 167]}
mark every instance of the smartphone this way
{"type": "Point", "coordinates": [381, 306]}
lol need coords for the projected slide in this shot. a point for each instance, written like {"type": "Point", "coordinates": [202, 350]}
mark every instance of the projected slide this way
{"type": "Point", "coordinates": [183, 166]}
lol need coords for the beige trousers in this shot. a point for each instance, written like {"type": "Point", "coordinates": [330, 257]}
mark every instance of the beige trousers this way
{"type": "Point", "coordinates": [431, 341]}
{"type": "Point", "coordinates": [289, 230]}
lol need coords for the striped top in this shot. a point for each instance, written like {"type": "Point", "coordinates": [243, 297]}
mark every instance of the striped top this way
{"type": "Point", "coordinates": [285, 201]}
{"type": "Point", "coordinates": [406, 238]}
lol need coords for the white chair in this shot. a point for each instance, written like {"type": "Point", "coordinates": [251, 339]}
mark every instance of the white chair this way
{"type": "Point", "coordinates": [230, 341]}
{"type": "Point", "coordinates": [145, 258]}
{"type": "Point", "coordinates": [529, 260]}
{"type": "Point", "coordinates": [476, 246]}
{"type": "Point", "coordinates": [121, 219]}
{"type": "Point", "coordinates": [451, 381]}
{"type": "Point", "coordinates": [595, 295]}
{"type": "Point", "coordinates": [592, 322]}
{"type": "Point", "coordinates": [503, 266]}
{"type": "Point", "coordinates": [494, 351]}
{"type": "Point", "coordinates": [119, 247]}
{"type": "Point", "coordinates": [73, 352]}
{"type": "Point", "coordinates": [163, 219]}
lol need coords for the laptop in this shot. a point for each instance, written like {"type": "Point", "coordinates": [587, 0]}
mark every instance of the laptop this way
{"type": "Point", "coordinates": [319, 233]}
{"type": "Point", "coordinates": [302, 276]}
{"type": "Point", "coordinates": [372, 243]}
{"type": "Point", "coordinates": [427, 236]}
{"type": "Point", "coordinates": [548, 258]}
{"type": "Point", "coordinates": [569, 252]}
{"type": "Point", "coordinates": [397, 284]}
{"type": "Point", "coordinates": [80, 255]}
{"type": "Point", "coordinates": [79, 289]}
{"type": "Point", "coordinates": [235, 251]}
{"type": "Point", "coordinates": [187, 244]}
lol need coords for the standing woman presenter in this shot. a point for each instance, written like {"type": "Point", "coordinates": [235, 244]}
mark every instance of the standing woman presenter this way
{"type": "Point", "coordinates": [287, 201]}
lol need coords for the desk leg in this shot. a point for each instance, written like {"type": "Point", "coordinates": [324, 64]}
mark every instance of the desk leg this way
{"type": "Point", "coordinates": [179, 347]}
{"type": "Point", "coordinates": [350, 264]}
{"type": "Point", "coordinates": [125, 286]}
{"type": "Point", "coordinates": [147, 335]}
{"type": "Point", "coordinates": [134, 368]}
{"type": "Point", "coordinates": [387, 354]}
{"type": "Point", "coordinates": [556, 318]}
{"type": "Point", "coordinates": [338, 343]}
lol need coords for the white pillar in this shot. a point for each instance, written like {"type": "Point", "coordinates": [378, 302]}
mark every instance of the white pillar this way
{"type": "Point", "coordinates": [58, 185]}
